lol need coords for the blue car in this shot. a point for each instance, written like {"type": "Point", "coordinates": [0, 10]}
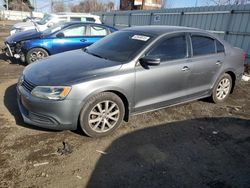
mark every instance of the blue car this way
{"type": "Point", "coordinates": [61, 38]}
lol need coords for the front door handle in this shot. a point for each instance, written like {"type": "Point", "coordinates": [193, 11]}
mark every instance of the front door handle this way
{"type": "Point", "coordinates": [185, 68]}
{"type": "Point", "coordinates": [83, 40]}
{"type": "Point", "coordinates": [218, 63]}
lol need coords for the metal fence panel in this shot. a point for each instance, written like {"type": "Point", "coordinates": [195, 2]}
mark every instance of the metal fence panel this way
{"type": "Point", "coordinates": [18, 15]}
{"type": "Point", "coordinates": [140, 19]}
{"type": "Point", "coordinates": [230, 22]}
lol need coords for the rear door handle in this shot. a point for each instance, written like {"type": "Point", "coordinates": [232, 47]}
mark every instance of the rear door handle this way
{"type": "Point", "coordinates": [83, 40]}
{"type": "Point", "coordinates": [185, 68]}
{"type": "Point", "coordinates": [218, 63]}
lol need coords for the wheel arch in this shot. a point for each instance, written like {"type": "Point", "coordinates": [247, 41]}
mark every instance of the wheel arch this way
{"type": "Point", "coordinates": [116, 91]}
{"type": "Point", "coordinates": [125, 103]}
{"type": "Point", "coordinates": [228, 73]}
{"type": "Point", "coordinates": [33, 47]}
{"type": "Point", "coordinates": [231, 73]}
{"type": "Point", "coordinates": [26, 54]}
{"type": "Point", "coordinates": [233, 76]}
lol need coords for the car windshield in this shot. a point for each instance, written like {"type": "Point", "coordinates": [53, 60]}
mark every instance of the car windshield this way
{"type": "Point", "coordinates": [53, 29]}
{"type": "Point", "coordinates": [120, 46]}
{"type": "Point", "coordinates": [45, 19]}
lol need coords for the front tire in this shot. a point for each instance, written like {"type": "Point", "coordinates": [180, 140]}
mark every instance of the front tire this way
{"type": "Point", "coordinates": [102, 114]}
{"type": "Point", "coordinates": [36, 54]}
{"type": "Point", "coordinates": [222, 88]}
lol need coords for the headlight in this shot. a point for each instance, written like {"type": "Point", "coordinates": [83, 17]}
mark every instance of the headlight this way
{"type": "Point", "coordinates": [20, 80]}
{"type": "Point", "coordinates": [51, 92]}
{"type": "Point", "coordinates": [13, 28]}
{"type": "Point", "coordinates": [19, 44]}
{"type": "Point", "coordinates": [18, 47]}
{"type": "Point", "coordinates": [13, 31]}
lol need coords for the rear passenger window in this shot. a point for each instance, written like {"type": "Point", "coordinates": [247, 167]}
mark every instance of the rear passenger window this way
{"type": "Point", "coordinates": [73, 31]}
{"type": "Point", "coordinates": [90, 19]}
{"type": "Point", "coordinates": [202, 45]}
{"type": "Point", "coordinates": [62, 18]}
{"type": "Point", "coordinates": [98, 31]}
{"type": "Point", "coordinates": [220, 47]}
{"type": "Point", "coordinates": [170, 49]}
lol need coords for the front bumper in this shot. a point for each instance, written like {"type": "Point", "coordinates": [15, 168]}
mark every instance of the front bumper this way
{"type": "Point", "coordinates": [57, 115]}
{"type": "Point", "coordinates": [8, 51]}
{"type": "Point", "coordinates": [14, 51]}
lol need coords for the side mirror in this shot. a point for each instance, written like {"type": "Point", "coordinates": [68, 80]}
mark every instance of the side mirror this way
{"type": "Point", "coordinates": [150, 60]}
{"type": "Point", "coordinates": [85, 48]}
{"type": "Point", "coordinates": [60, 35]}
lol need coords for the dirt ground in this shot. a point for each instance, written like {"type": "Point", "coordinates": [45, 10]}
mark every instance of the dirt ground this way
{"type": "Point", "coordinates": [198, 144]}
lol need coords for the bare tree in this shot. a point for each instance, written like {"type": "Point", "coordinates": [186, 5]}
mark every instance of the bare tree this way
{"type": "Point", "coordinates": [226, 2]}
{"type": "Point", "coordinates": [93, 6]}
{"type": "Point", "coordinates": [19, 5]}
{"type": "Point", "coordinates": [59, 7]}
{"type": "Point", "coordinates": [110, 6]}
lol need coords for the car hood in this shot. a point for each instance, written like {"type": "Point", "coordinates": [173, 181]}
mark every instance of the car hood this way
{"type": "Point", "coordinates": [68, 68]}
{"type": "Point", "coordinates": [24, 35]}
{"type": "Point", "coordinates": [23, 24]}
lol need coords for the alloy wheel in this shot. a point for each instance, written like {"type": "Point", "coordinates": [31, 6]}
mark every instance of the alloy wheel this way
{"type": "Point", "coordinates": [223, 88]}
{"type": "Point", "coordinates": [37, 55]}
{"type": "Point", "coordinates": [104, 116]}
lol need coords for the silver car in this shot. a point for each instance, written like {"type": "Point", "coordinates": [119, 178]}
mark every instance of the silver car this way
{"type": "Point", "coordinates": [131, 71]}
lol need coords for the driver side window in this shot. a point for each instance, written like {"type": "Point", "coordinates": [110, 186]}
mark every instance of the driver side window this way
{"type": "Point", "coordinates": [170, 49]}
{"type": "Point", "coordinates": [75, 31]}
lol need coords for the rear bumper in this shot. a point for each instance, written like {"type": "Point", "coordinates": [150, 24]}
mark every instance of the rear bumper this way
{"type": "Point", "coordinates": [239, 74]}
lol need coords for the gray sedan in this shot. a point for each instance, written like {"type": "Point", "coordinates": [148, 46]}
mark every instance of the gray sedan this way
{"type": "Point", "coordinates": [131, 71]}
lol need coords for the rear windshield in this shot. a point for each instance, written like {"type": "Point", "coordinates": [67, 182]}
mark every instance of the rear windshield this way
{"type": "Point", "coordinates": [120, 46]}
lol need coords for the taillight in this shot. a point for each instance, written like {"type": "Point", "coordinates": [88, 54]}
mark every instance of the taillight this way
{"type": "Point", "coordinates": [244, 56]}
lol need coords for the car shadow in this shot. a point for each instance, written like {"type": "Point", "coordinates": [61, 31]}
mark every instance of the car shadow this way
{"type": "Point", "coordinates": [206, 152]}
{"type": "Point", "coordinates": [10, 101]}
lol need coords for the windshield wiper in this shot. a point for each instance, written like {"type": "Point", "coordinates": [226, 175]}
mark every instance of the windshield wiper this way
{"type": "Point", "coordinates": [86, 50]}
{"type": "Point", "coordinates": [36, 27]}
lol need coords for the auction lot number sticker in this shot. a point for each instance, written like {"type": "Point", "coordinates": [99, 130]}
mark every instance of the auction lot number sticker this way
{"type": "Point", "coordinates": [140, 37]}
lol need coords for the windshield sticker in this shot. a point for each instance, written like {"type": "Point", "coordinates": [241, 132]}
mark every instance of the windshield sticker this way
{"type": "Point", "coordinates": [140, 37]}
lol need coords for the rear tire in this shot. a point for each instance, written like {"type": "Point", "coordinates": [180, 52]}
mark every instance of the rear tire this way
{"type": "Point", "coordinates": [222, 88]}
{"type": "Point", "coordinates": [36, 54]}
{"type": "Point", "coordinates": [102, 114]}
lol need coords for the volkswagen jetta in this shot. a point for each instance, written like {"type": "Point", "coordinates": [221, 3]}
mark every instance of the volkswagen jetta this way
{"type": "Point", "coordinates": [131, 71]}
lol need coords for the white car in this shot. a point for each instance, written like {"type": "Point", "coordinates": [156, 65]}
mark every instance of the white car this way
{"type": "Point", "coordinates": [51, 19]}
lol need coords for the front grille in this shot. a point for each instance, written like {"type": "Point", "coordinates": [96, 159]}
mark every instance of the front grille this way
{"type": "Point", "coordinates": [42, 119]}
{"type": "Point", "coordinates": [28, 86]}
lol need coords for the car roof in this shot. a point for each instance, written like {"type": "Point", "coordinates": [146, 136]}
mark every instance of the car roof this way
{"type": "Point", "coordinates": [66, 24]}
{"type": "Point", "coordinates": [158, 30]}
{"type": "Point", "coordinates": [60, 14]}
